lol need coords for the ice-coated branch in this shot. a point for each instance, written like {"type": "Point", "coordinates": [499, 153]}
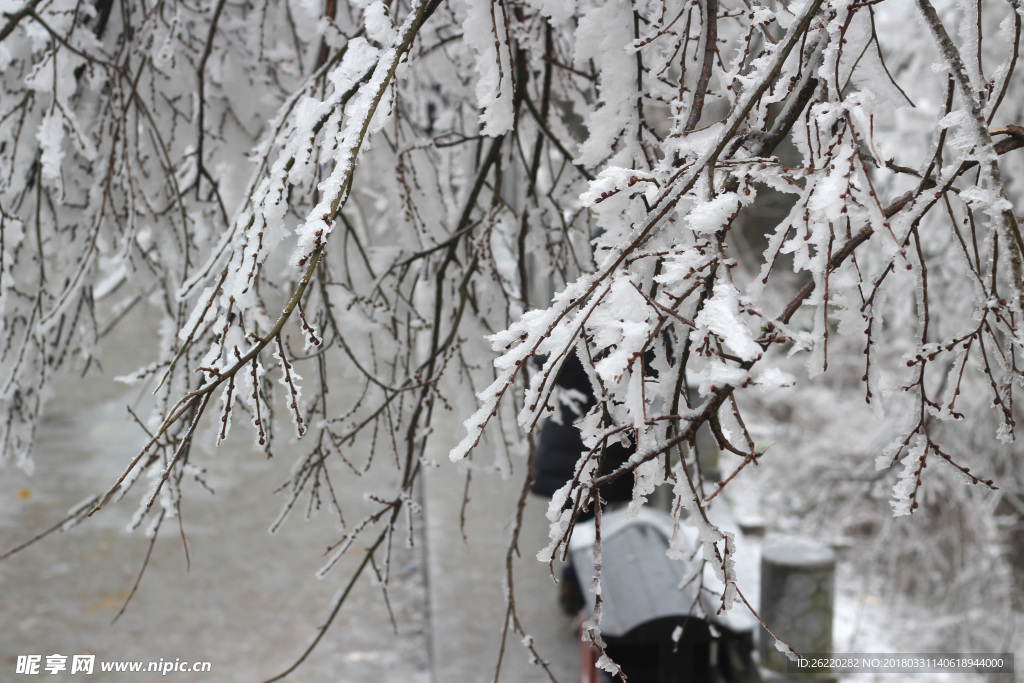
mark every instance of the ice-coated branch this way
{"type": "Point", "coordinates": [998, 204]}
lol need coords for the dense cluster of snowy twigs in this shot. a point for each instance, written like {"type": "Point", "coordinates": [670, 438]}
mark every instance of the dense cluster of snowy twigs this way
{"type": "Point", "coordinates": [370, 204]}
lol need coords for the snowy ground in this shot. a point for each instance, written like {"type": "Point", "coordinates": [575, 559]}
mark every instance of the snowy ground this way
{"type": "Point", "coordinates": [250, 603]}
{"type": "Point", "coordinates": [869, 619]}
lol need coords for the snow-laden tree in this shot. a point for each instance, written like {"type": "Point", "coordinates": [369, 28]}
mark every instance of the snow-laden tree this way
{"type": "Point", "coordinates": [746, 210]}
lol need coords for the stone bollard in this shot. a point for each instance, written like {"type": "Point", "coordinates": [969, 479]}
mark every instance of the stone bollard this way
{"type": "Point", "coordinates": [797, 596]}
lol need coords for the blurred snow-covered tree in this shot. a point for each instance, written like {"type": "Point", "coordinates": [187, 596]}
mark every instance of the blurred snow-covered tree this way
{"type": "Point", "coordinates": [773, 201]}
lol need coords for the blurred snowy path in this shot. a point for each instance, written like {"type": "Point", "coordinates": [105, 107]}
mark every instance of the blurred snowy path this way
{"type": "Point", "coordinates": [250, 604]}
